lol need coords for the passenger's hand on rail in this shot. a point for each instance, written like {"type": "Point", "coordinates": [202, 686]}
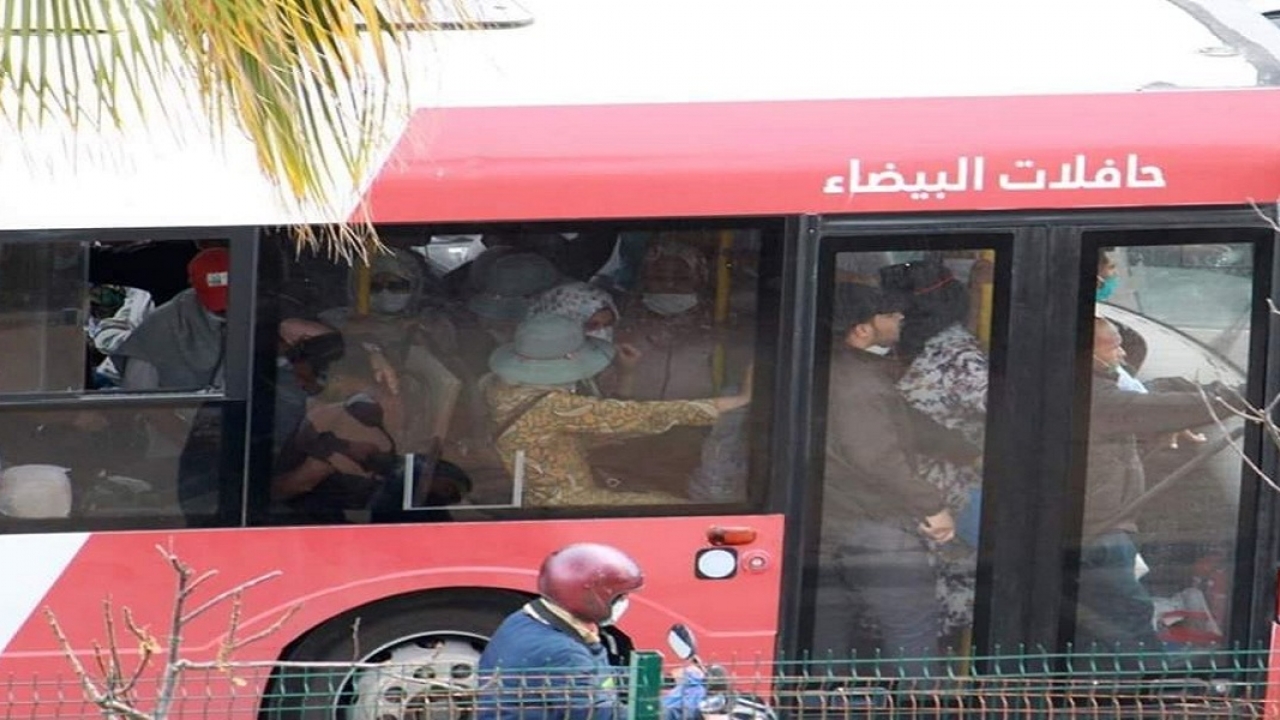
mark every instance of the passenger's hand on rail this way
{"type": "Point", "coordinates": [1189, 435]}
{"type": "Point", "coordinates": [939, 528]}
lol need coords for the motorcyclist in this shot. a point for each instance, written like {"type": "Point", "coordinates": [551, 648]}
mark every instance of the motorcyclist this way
{"type": "Point", "coordinates": [547, 661]}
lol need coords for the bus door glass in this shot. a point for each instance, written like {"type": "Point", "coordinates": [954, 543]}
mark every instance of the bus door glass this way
{"type": "Point", "coordinates": [907, 382]}
{"type": "Point", "coordinates": [1175, 316]}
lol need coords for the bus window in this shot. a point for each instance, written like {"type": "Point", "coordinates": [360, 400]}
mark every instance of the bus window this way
{"type": "Point", "coordinates": [101, 323]}
{"type": "Point", "coordinates": [42, 310]}
{"type": "Point", "coordinates": [1174, 311]}
{"type": "Point", "coordinates": [905, 424]}
{"type": "Point", "coordinates": [118, 470]}
{"type": "Point", "coordinates": [476, 372]}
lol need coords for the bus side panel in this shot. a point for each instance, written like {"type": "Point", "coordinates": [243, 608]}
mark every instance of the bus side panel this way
{"type": "Point", "coordinates": [330, 570]}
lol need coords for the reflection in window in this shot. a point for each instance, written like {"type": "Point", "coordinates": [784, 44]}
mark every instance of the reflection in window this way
{"type": "Point", "coordinates": [493, 370]}
{"type": "Point", "coordinates": [1155, 566]}
{"type": "Point", "coordinates": [110, 464]}
{"type": "Point", "coordinates": [906, 418]}
{"type": "Point", "coordinates": [42, 311]}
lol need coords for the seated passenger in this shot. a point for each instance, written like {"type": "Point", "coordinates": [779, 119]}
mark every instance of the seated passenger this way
{"type": "Point", "coordinates": [543, 426]}
{"type": "Point", "coordinates": [334, 457]}
{"type": "Point", "coordinates": [180, 345]}
{"type": "Point", "coordinates": [345, 457]}
{"type": "Point", "coordinates": [504, 282]}
{"type": "Point", "coordinates": [116, 311]}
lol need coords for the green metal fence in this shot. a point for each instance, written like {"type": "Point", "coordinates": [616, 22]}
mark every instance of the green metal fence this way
{"type": "Point", "coordinates": [1222, 684]}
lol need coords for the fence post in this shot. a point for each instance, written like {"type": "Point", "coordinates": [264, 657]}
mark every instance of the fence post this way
{"type": "Point", "coordinates": [645, 686]}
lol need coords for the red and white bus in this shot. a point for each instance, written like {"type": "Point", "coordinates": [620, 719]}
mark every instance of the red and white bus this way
{"type": "Point", "coordinates": [793, 147]}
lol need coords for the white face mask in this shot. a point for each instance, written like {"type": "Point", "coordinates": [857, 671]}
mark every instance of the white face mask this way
{"type": "Point", "coordinates": [604, 333]}
{"type": "Point", "coordinates": [389, 302]}
{"type": "Point", "coordinates": [1129, 383]}
{"type": "Point", "coordinates": [617, 610]}
{"type": "Point", "coordinates": [670, 303]}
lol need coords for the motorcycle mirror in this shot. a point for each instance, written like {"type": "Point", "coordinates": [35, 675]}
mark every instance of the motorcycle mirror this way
{"type": "Point", "coordinates": [680, 640]}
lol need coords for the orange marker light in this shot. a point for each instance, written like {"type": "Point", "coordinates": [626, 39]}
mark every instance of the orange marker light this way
{"type": "Point", "coordinates": [718, 535]}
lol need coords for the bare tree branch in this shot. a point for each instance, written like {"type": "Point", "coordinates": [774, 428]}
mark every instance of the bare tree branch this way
{"type": "Point", "coordinates": [224, 596]}
{"type": "Point", "coordinates": [114, 688]}
{"type": "Point", "coordinates": [1235, 446]}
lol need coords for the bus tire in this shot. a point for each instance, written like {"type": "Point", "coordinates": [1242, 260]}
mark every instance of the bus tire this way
{"type": "Point", "coordinates": [431, 640]}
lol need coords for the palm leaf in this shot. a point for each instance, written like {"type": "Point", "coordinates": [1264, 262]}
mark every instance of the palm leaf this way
{"type": "Point", "coordinates": [311, 83]}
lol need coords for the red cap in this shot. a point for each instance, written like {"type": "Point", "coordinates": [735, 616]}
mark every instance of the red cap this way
{"type": "Point", "coordinates": [207, 273]}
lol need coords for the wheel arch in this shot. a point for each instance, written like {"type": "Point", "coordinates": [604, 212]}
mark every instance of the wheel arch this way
{"type": "Point", "coordinates": [458, 595]}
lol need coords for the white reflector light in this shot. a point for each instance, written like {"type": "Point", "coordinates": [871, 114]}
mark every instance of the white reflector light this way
{"type": "Point", "coordinates": [717, 563]}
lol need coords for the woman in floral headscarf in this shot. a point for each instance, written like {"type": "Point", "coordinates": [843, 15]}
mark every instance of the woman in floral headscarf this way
{"type": "Point", "coordinates": [590, 305]}
{"type": "Point", "coordinates": [946, 379]}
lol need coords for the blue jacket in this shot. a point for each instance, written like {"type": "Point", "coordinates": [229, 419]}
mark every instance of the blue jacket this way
{"type": "Point", "coordinates": [543, 669]}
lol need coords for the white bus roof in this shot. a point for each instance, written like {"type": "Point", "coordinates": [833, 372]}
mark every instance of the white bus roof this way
{"type": "Point", "coordinates": [577, 52]}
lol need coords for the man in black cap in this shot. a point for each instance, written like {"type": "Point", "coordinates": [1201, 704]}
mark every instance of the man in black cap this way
{"type": "Point", "coordinates": [877, 511]}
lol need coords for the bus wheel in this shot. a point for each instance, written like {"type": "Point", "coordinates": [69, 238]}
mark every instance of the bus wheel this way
{"type": "Point", "coordinates": [426, 648]}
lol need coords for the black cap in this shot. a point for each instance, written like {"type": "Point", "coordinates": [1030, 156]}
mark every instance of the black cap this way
{"type": "Point", "coordinates": [856, 303]}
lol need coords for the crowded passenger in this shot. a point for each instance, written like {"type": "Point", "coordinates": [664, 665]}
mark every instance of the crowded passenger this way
{"type": "Point", "coordinates": [403, 306]}
{"type": "Point", "coordinates": [945, 378]}
{"type": "Point", "coordinates": [544, 426]}
{"type": "Point", "coordinates": [1114, 609]}
{"type": "Point", "coordinates": [334, 459]}
{"type": "Point", "coordinates": [405, 322]}
{"type": "Point", "coordinates": [879, 514]}
{"type": "Point", "coordinates": [180, 345]}
{"type": "Point", "coordinates": [669, 322]}
{"type": "Point", "coordinates": [115, 311]}
{"type": "Point", "coordinates": [501, 284]}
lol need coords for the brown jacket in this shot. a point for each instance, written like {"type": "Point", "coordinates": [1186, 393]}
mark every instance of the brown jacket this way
{"type": "Point", "coordinates": [873, 438]}
{"type": "Point", "coordinates": [1117, 418]}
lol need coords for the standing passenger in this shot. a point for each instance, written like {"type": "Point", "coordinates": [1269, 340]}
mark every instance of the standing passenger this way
{"type": "Point", "coordinates": [1114, 610]}
{"type": "Point", "coordinates": [878, 512]}
{"type": "Point", "coordinates": [946, 379]}
{"type": "Point", "coordinates": [540, 417]}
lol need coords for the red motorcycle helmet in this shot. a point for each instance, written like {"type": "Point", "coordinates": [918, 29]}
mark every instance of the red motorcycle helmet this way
{"type": "Point", "coordinates": [585, 579]}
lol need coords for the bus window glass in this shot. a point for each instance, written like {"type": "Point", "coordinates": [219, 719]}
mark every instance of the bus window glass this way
{"type": "Point", "coordinates": [43, 306]}
{"type": "Point", "coordinates": [1160, 508]}
{"type": "Point", "coordinates": [70, 313]}
{"type": "Point", "coordinates": [905, 424]}
{"type": "Point", "coordinates": [117, 467]}
{"type": "Point", "coordinates": [464, 374]}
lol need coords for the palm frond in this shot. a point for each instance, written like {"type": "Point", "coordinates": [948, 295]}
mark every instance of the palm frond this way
{"type": "Point", "coordinates": [313, 84]}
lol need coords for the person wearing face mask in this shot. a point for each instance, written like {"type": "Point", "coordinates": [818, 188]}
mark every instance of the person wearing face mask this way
{"type": "Point", "coordinates": [1114, 609]}
{"type": "Point", "coordinates": [668, 327]}
{"type": "Point", "coordinates": [879, 515]}
{"type": "Point", "coordinates": [401, 310]}
{"type": "Point", "coordinates": [594, 307]}
{"type": "Point", "coordinates": [181, 344]}
{"type": "Point", "coordinates": [1108, 277]}
{"type": "Point", "coordinates": [550, 660]}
